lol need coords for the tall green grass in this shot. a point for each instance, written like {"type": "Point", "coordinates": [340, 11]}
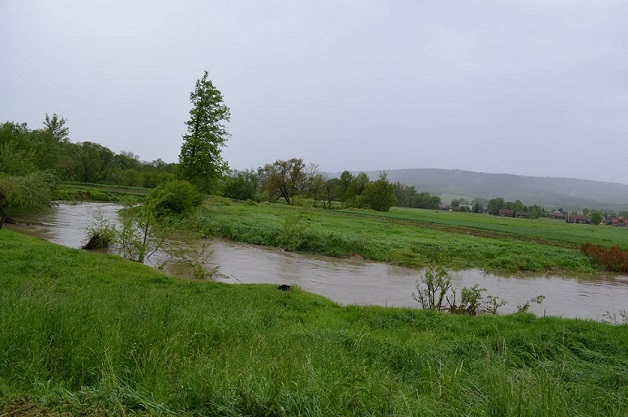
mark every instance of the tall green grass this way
{"type": "Point", "coordinates": [413, 238]}
{"type": "Point", "coordinates": [70, 191]}
{"type": "Point", "coordinates": [97, 335]}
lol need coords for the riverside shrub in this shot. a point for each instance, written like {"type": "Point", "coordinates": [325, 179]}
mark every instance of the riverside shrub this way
{"type": "Point", "coordinates": [614, 259]}
{"type": "Point", "coordinates": [175, 197]}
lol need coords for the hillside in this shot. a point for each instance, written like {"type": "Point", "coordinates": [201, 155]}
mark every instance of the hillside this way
{"type": "Point", "coordinates": [570, 193]}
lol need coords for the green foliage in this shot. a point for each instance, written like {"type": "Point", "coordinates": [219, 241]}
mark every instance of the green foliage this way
{"type": "Point", "coordinates": [17, 150]}
{"type": "Point", "coordinates": [471, 300]}
{"type": "Point", "coordinates": [418, 238]}
{"type": "Point", "coordinates": [68, 191]}
{"type": "Point", "coordinates": [103, 336]}
{"type": "Point", "coordinates": [138, 238]}
{"type": "Point", "coordinates": [433, 288]}
{"type": "Point", "coordinates": [102, 234]}
{"type": "Point", "coordinates": [284, 179]}
{"type": "Point", "coordinates": [20, 194]}
{"type": "Point", "coordinates": [380, 194]}
{"type": "Point", "coordinates": [354, 194]}
{"type": "Point", "coordinates": [293, 230]}
{"type": "Point", "coordinates": [55, 127]}
{"type": "Point", "coordinates": [496, 204]}
{"type": "Point", "coordinates": [408, 196]}
{"type": "Point", "coordinates": [23, 151]}
{"type": "Point", "coordinates": [141, 235]}
{"type": "Point", "coordinates": [596, 217]}
{"type": "Point", "coordinates": [175, 197]}
{"type": "Point", "coordinates": [523, 308]}
{"type": "Point", "coordinates": [200, 159]}
{"type": "Point", "coordinates": [241, 185]}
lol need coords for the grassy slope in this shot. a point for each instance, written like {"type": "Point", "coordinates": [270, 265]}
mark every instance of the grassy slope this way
{"type": "Point", "coordinates": [93, 334]}
{"type": "Point", "coordinates": [414, 238]}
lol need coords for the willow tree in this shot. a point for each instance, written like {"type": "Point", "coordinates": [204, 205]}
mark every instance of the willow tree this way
{"type": "Point", "coordinates": [200, 159]}
{"type": "Point", "coordinates": [22, 194]}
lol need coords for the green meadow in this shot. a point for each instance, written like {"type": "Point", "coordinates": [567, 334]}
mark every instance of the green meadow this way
{"type": "Point", "coordinates": [413, 237]}
{"type": "Point", "coordinates": [95, 335]}
{"type": "Point", "coordinates": [79, 191]}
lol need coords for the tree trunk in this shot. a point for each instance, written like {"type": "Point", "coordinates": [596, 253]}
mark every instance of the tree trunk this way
{"type": "Point", "coordinates": [3, 214]}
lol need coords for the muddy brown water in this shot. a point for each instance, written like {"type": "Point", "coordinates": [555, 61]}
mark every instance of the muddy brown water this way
{"type": "Point", "coordinates": [353, 281]}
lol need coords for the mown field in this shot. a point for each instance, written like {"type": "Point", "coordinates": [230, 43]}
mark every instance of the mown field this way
{"type": "Point", "coordinates": [95, 335]}
{"type": "Point", "coordinates": [413, 237]}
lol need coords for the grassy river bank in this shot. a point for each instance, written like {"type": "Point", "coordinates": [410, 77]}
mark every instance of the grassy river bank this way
{"type": "Point", "coordinates": [92, 334]}
{"type": "Point", "coordinates": [413, 237]}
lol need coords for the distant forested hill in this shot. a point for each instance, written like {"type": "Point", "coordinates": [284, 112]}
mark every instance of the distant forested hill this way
{"type": "Point", "coordinates": [570, 193]}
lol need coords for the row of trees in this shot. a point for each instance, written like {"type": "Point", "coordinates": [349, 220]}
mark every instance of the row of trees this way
{"type": "Point", "coordinates": [33, 161]}
{"type": "Point", "coordinates": [291, 180]}
{"type": "Point", "coordinates": [201, 163]}
{"type": "Point", "coordinates": [23, 151]}
{"type": "Point", "coordinates": [49, 149]}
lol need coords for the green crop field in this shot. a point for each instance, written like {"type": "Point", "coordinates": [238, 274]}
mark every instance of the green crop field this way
{"type": "Point", "coordinates": [95, 335]}
{"type": "Point", "coordinates": [414, 237]}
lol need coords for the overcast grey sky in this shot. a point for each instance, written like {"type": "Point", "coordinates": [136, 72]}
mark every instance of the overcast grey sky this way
{"type": "Point", "coordinates": [532, 87]}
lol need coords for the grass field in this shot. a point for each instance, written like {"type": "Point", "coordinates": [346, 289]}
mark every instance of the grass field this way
{"type": "Point", "coordinates": [79, 191]}
{"type": "Point", "coordinates": [413, 237]}
{"type": "Point", "coordinates": [95, 335]}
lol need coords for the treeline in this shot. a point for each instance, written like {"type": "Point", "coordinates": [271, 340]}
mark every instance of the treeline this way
{"type": "Point", "coordinates": [23, 151]}
{"type": "Point", "coordinates": [493, 206]}
{"type": "Point", "coordinates": [33, 162]}
{"type": "Point", "coordinates": [292, 180]}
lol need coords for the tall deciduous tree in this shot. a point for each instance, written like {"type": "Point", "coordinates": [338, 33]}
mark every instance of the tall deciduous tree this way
{"type": "Point", "coordinates": [17, 155]}
{"type": "Point", "coordinates": [495, 204]}
{"type": "Point", "coordinates": [24, 193]}
{"type": "Point", "coordinates": [200, 159]}
{"type": "Point", "coordinates": [284, 179]}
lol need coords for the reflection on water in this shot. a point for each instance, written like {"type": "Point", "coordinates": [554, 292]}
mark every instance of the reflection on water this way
{"type": "Point", "coordinates": [67, 224]}
{"type": "Point", "coordinates": [361, 282]}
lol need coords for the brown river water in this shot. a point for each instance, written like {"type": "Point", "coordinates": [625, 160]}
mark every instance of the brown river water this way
{"type": "Point", "coordinates": [349, 281]}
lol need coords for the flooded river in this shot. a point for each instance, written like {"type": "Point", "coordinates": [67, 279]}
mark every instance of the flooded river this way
{"type": "Point", "coordinates": [357, 281]}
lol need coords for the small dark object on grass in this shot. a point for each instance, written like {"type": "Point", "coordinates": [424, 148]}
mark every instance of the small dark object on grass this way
{"type": "Point", "coordinates": [284, 287]}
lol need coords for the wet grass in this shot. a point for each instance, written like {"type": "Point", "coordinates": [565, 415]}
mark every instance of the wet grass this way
{"type": "Point", "coordinates": [70, 191]}
{"type": "Point", "coordinates": [413, 237]}
{"type": "Point", "coordinates": [88, 334]}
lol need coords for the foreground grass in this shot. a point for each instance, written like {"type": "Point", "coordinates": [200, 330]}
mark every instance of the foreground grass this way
{"type": "Point", "coordinates": [414, 238]}
{"type": "Point", "coordinates": [89, 334]}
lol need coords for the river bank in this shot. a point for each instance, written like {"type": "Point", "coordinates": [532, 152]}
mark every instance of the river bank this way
{"type": "Point", "coordinates": [103, 333]}
{"type": "Point", "coordinates": [414, 238]}
{"type": "Point", "coordinates": [358, 281]}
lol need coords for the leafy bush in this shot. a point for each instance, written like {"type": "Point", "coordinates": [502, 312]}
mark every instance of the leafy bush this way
{"type": "Point", "coordinates": [101, 235]}
{"type": "Point", "coordinates": [175, 197]}
{"type": "Point", "coordinates": [433, 288]}
{"type": "Point", "coordinates": [20, 194]}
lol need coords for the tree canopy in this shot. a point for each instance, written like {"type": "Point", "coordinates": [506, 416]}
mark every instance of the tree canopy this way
{"type": "Point", "coordinates": [284, 179]}
{"type": "Point", "coordinates": [200, 159]}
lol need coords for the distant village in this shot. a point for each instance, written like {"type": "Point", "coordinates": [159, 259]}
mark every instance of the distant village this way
{"type": "Point", "coordinates": [588, 217]}
{"type": "Point", "coordinates": [569, 217]}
